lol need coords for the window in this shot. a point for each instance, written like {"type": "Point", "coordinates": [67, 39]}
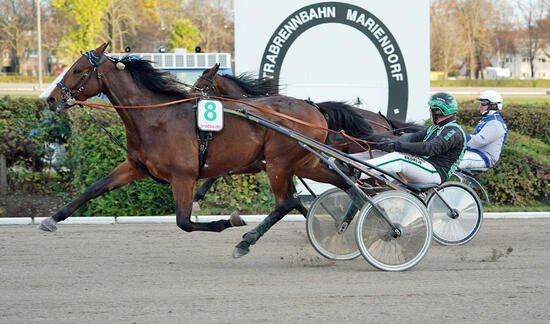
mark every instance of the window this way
{"type": "Point", "coordinates": [508, 60]}
{"type": "Point", "coordinates": [524, 59]}
{"type": "Point", "coordinates": [542, 60]}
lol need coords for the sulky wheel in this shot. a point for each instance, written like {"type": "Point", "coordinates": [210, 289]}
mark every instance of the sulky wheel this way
{"type": "Point", "coordinates": [460, 226]}
{"type": "Point", "coordinates": [323, 219]}
{"type": "Point", "coordinates": [377, 242]}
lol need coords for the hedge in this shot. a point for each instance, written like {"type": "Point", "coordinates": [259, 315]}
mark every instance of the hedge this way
{"type": "Point", "coordinates": [25, 79]}
{"type": "Point", "coordinates": [491, 83]}
{"type": "Point", "coordinates": [520, 177]}
{"type": "Point", "coordinates": [25, 125]}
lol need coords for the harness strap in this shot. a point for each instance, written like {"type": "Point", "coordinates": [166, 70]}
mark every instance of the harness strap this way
{"type": "Point", "coordinates": [204, 138]}
{"type": "Point", "coordinates": [392, 128]}
{"type": "Point", "coordinates": [318, 108]}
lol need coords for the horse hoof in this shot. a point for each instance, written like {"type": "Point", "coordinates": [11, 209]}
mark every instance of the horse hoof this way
{"type": "Point", "coordinates": [196, 206]}
{"type": "Point", "coordinates": [236, 220]}
{"type": "Point", "coordinates": [48, 225]}
{"type": "Point", "coordinates": [240, 250]}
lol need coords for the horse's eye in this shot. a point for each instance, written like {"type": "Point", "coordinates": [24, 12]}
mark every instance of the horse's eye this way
{"type": "Point", "coordinates": [77, 71]}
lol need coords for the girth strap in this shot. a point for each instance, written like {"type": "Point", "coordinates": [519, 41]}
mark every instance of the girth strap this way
{"type": "Point", "coordinates": [204, 138]}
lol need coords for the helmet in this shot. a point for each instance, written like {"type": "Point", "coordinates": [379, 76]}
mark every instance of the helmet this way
{"type": "Point", "coordinates": [492, 96]}
{"type": "Point", "coordinates": [444, 102]}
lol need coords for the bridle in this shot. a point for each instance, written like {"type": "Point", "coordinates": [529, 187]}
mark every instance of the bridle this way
{"type": "Point", "coordinates": [210, 83]}
{"type": "Point", "coordinates": [68, 94]}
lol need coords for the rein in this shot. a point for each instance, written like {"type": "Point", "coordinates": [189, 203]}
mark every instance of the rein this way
{"type": "Point", "coordinates": [95, 62]}
{"type": "Point", "coordinates": [265, 110]}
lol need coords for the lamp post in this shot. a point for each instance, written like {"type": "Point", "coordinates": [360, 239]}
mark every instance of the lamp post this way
{"type": "Point", "coordinates": [39, 45]}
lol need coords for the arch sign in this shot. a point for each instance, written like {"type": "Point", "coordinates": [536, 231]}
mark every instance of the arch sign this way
{"type": "Point", "coordinates": [383, 33]}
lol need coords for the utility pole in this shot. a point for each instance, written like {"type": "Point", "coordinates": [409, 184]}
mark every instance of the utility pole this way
{"type": "Point", "coordinates": [39, 45]}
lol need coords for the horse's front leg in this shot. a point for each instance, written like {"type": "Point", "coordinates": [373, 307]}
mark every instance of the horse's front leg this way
{"type": "Point", "coordinates": [182, 188]}
{"type": "Point", "coordinates": [123, 174]}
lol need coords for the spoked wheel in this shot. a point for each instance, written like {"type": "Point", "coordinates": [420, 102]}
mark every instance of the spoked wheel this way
{"type": "Point", "coordinates": [450, 228]}
{"type": "Point", "coordinates": [324, 218]}
{"type": "Point", "coordinates": [380, 246]}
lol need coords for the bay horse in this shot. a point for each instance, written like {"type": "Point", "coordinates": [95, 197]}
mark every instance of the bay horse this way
{"type": "Point", "coordinates": [359, 123]}
{"type": "Point", "coordinates": [162, 142]}
{"type": "Point", "coordinates": [339, 115]}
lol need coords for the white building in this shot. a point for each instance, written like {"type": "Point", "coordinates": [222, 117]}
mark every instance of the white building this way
{"type": "Point", "coordinates": [520, 69]}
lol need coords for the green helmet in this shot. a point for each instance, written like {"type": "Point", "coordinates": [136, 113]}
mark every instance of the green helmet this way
{"type": "Point", "coordinates": [444, 102]}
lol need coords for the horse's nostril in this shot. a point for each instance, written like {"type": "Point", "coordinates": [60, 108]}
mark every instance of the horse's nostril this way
{"type": "Point", "coordinates": [51, 100]}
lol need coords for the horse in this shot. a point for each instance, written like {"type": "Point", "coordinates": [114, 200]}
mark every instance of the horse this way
{"type": "Point", "coordinates": [339, 115]}
{"type": "Point", "coordinates": [162, 142]}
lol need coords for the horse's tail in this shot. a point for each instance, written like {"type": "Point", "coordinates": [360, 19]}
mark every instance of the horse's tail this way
{"type": "Point", "coordinates": [341, 116]}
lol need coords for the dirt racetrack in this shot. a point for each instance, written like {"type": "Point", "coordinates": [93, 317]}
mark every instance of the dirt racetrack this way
{"type": "Point", "coordinates": [158, 274]}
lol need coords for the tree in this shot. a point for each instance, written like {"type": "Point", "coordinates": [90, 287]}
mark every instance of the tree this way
{"type": "Point", "coordinates": [54, 27]}
{"type": "Point", "coordinates": [444, 36]}
{"type": "Point", "coordinates": [120, 20]}
{"type": "Point", "coordinates": [530, 42]}
{"type": "Point", "coordinates": [504, 33]}
{"type": "Point", "coordinates": [184, 34]}
{"type": "Point", "coordinates": [214, 19]}
{"type": "Point", "coordinates": [87, 15]}
{"type": "Point", "coordinates": [544, 33]}
{"type": "Point", "coordinates": [148, 32]}
{"type": "Point", "coordinates": [16, 30]}
{"type": "Point", "coordinates": [474, 16]}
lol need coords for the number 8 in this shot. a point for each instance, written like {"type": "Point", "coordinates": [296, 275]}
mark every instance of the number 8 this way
{"type": "Point", "coordinates": [210, 113]}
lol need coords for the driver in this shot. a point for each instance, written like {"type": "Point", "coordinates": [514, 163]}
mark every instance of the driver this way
{"type": "Point", "coordinates": [485, 144]}
{"type": "Point", "coordinates": [430, 155]}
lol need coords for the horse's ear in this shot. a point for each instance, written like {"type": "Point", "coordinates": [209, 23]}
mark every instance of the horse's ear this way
{"type": "Point", "coordinates": [211, 71]}
{"type": "Point", "coordinates": [216, 67]}
{"type": "Point", "coordinates": [99, 51]}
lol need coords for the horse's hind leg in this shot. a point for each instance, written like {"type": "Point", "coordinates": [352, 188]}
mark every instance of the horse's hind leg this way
{"type": "Point", "coordinates": [182, 188]}
{"type": "Point", "coordinates": [201, 192]}
{"type": "Point", "coordinates": [125, 173]}
{"type": "Point", "coordinates": [283, 207]}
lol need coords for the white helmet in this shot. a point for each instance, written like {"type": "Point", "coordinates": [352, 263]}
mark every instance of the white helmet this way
{"type": "Point", "coordinates": [492, 96]}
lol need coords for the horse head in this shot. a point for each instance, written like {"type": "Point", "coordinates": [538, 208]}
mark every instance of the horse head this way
{"type": "Point", "coordinates": [207, 82]}
{"type": "Point", "coordinates": [78, 82]}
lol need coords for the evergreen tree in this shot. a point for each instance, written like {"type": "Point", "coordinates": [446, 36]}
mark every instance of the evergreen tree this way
{"type": "Point", "coordinates": [184, 34]}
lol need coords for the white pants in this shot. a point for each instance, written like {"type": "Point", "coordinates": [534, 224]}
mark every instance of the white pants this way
{"type": "Point", "coordinates": [413, 168]}
{"type": "Point", "coordinates": [471, 160]}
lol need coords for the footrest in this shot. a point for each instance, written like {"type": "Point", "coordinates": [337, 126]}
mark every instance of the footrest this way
{"type": "Point", "coordinates": [478, 170]}
{"type": "Point", "coordinates": [422, 186]}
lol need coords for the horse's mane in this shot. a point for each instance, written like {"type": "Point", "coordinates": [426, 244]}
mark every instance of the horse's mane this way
{"type": "Point", "coordinates": [254, 86]}
{"type": "Point", "coordinates": [340, 115]}
{"type": "Point", "coordinates": [147, 76]}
